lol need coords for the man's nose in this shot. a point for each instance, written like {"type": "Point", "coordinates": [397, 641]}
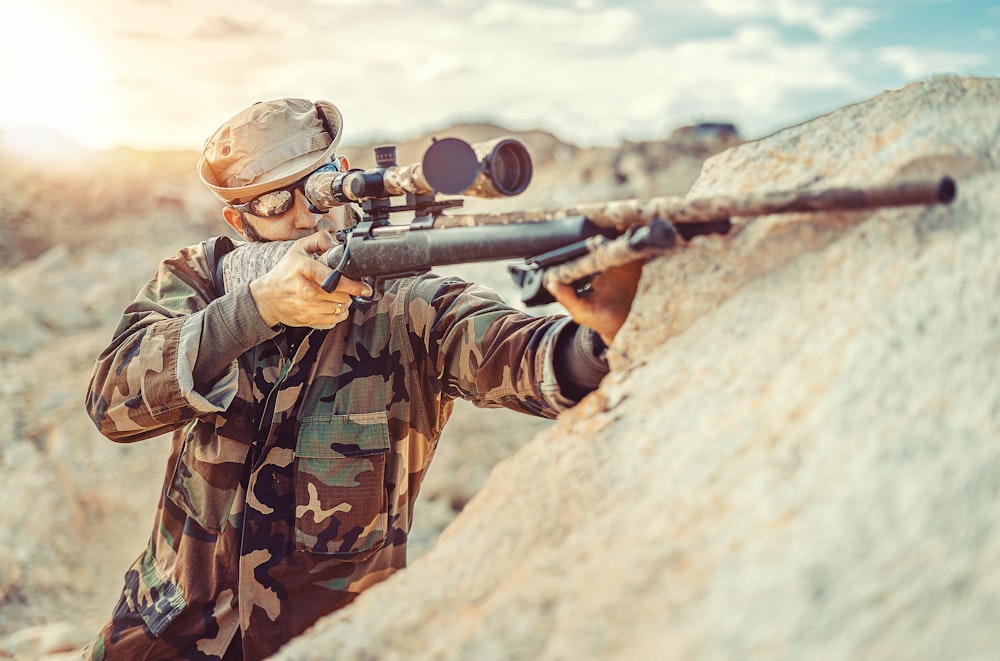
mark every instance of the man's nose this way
{"type": "Point", "coordinates": [304, 218]}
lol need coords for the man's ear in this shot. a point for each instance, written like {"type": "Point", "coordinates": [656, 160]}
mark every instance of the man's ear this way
{"type": "Point", "coordinates": [234, 219]}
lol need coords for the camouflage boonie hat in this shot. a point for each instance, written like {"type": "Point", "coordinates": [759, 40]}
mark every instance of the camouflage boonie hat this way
{"type": "Point", "coordinates": [269, 145]}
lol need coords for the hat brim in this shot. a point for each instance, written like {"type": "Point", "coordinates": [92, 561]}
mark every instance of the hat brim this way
{"type": "Point", "coordinates": [289, 172]}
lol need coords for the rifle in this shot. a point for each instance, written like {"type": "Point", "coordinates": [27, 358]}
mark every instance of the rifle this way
{"type": "Point", "coordinates": [569, 245]}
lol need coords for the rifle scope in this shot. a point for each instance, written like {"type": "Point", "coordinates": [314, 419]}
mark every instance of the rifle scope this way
{"type": "Point", "coordinates": [450, 166]}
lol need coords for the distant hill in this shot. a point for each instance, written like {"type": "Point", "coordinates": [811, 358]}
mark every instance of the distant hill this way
{"type": "Point", "coordinates": [40, 145]}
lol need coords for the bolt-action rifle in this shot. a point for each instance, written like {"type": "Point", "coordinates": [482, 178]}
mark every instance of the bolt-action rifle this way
{"type": "Point", "coordinates": [568, 245]}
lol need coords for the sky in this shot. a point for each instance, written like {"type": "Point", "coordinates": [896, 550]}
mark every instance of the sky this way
{"type": "Point", "coordinates": [164, 74]}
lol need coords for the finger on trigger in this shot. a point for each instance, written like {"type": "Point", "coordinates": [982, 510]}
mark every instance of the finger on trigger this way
{"type": "Point", "coordinates": [354, 287]}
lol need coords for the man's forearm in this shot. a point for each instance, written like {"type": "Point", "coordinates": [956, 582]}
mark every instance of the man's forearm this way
{"type": "Point", "coordinates": [231, 326]}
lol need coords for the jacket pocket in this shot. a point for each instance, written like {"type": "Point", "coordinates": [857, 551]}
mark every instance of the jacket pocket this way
{"type": "Point", "coordinates": [207, 478]}
{"type": "Point", "coordinates": [341, 500]}
{"type": "Point", "coordinates": [150, 594]}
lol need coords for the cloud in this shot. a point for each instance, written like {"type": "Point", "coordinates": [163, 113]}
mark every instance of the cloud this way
{"type": "Point", "coordinates": [139, 35]}
{"type": "Point", "coordinates": [556, 27]}
{"type": "Point", "coordinates": [592, 71]}
{"type": "Point", "coordinates": [827, 20]}
{"type": "Point", "coordinates": [224, 27]}
{"type": "Point", "coordinates": [591, 96]}
{"type": "Point", "coordinates": [913, 62]}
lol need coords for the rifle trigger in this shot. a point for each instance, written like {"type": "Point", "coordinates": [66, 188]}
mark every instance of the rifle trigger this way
{"type": "Point", "coordinates": [330, 281]}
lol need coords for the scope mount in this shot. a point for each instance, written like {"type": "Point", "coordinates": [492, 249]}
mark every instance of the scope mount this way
{"type": "Point", "coordinates": [426, 206]}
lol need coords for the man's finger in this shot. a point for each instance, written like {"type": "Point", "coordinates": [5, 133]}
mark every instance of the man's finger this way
{"type": "Point", "coordinates": [318, 271]}
{"type": "Point", "coordinates": [317, 243]}
{"type": "Point", "coordinates": [354, 288]}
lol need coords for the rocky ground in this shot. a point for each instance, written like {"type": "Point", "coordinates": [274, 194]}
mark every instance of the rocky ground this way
{"type": "Point", "coordinates": [80, 237]}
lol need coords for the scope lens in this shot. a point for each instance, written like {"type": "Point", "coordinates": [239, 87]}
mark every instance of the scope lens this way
{"type": "Point", "coordinates": [509, 167]}
{"type": "Point", "coordinates": [506, 169]}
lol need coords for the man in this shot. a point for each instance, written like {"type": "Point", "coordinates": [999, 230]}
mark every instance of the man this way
{"type": "Point", "coordinates": [303, 421]}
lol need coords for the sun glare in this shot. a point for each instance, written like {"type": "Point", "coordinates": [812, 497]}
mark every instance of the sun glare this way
{"type": "Point", "coordinates": [52, 73]}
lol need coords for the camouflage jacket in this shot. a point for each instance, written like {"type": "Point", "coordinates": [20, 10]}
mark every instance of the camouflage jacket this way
{"type": "Point", "coordinates": [291, 482]}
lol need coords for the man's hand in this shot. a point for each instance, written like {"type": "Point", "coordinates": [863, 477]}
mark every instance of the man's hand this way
{"type": "Point", "coordinates": [292, 294]}
{"type": "Point", "coordinates": [606, 304]}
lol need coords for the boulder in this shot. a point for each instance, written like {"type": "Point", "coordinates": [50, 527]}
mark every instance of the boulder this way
{"type": "Point", "coordinates": [795, 455]}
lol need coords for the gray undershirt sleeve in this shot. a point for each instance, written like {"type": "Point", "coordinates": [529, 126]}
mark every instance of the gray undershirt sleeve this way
{"type": "Point", "coordinates": [230, 327]}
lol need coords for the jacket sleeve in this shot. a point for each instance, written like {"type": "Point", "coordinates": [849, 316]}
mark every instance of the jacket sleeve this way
{"type": "Point", "coordinates": [490, 353]}
{"type": "Point", "coordinates": [143, 383]}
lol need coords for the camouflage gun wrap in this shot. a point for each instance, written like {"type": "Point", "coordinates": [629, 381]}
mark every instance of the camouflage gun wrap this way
{"type": "Point", "coordinates": [680, 211]}
{"type": "Point", "coordinates": [497, 168]}
{"type": "Point", "coordinates": [647, 234]}
{"type": "Point", "coordinates": [569, 245]}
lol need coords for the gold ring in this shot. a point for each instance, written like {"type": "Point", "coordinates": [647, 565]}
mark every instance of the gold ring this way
{"type": "Point", "coordinates": [340, 308]}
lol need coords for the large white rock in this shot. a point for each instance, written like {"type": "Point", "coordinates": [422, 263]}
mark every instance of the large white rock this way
{"type": "Point", "coordinates": [797, 456]}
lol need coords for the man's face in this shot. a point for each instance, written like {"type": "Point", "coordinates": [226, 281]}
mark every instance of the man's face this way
{"type": "Point", "coordinates": [295, 223]}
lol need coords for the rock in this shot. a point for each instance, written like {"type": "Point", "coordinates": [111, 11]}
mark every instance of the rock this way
{"type": "Point", "coordinates": [21, 333]}
{"type": "Point", "coordinates": [45, 640]}
{"type": "Point", "coordinates": [796, 456]}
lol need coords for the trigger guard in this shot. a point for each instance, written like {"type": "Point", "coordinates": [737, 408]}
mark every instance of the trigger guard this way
{"type": "Point", "coordinates": [376, 293]}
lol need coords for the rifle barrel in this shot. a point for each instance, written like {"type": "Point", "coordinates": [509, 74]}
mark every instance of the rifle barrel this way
{"type": "Point", "coordinates": [680, 210]}
{"type": "Point", "coordinates": [400, 251]}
